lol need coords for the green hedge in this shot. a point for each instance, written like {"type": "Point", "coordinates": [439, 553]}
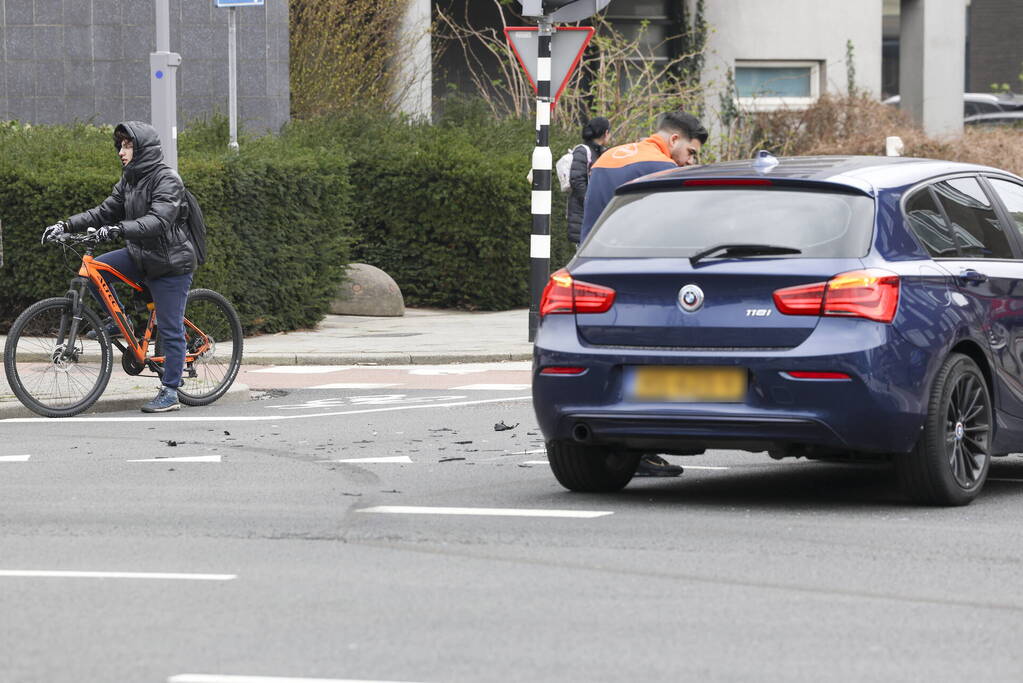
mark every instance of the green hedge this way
{"type": "Point", "coordinates": [278, 217]}
{"type": "Point", "coordinates": [444, 209]}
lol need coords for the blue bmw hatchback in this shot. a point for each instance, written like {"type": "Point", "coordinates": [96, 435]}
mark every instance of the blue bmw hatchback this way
{"type": "Point", "coordinates": [819, 307]}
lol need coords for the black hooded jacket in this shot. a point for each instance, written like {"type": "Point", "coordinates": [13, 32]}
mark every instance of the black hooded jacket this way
{"type": "Point", "coordinates": [148, 202]}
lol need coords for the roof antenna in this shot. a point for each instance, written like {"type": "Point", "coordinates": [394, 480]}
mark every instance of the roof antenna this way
{"type": "Point", "coordinates": [764, 161]}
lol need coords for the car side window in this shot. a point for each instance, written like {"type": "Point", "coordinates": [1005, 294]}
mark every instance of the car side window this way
{"type": "Point", "coordinates": [1011, 195]}
{"type": "Point", "coordinates": [975, 225]}
{"type": "Point", "coordinates": [924, 218]}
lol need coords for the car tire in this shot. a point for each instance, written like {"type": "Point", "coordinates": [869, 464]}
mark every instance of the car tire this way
{"type": "Point", "coordinates": [949, 464]}
{"type": "Point", "coordinates": [591, 469]}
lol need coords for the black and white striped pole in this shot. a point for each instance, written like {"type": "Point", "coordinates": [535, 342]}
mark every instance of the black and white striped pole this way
{"type": "Point", "coordinates": [543, 161]}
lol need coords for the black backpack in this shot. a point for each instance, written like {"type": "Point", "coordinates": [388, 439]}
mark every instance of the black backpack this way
{"type": "Point", "coordinates": [196, 227]}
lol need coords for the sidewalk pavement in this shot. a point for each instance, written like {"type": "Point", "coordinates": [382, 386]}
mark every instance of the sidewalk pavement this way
{"type": "Point", "coordinates": [421, 336]}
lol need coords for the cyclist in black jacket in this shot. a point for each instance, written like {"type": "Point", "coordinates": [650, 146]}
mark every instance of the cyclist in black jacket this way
{"type": "Point", "coordinates": [148, 209]}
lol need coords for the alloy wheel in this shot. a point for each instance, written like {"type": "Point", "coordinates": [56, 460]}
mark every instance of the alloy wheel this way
{"type": "Point", "coordinates": [968, 428]}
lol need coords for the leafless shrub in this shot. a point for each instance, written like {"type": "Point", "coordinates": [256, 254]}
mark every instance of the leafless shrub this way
{"type": "Point", "coordinates": [617, 80]}
{"type": "Point", "coordinates": [343, 55]}
{"type": "Point", "coordinates": [858, 124]}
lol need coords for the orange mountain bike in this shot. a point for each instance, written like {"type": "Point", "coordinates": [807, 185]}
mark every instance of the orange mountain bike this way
{"type": "Point", "coordinates": [58, 356]}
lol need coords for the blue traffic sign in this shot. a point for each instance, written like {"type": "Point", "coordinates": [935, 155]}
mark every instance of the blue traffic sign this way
{"type": "Point", "coordinates": [239, 3]}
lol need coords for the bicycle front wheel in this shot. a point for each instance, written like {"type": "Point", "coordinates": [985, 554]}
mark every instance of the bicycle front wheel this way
{"type": "Point", "coordinates": [50, 374]}
{"type": "Point", "coordinates": [213, 335]}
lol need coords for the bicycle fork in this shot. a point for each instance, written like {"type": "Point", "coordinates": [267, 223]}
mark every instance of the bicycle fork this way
{"type": "Point", "coordinates": [67, 335]}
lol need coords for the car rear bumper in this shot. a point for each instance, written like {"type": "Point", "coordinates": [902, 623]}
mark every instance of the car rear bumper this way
{"type": "Point", "coordinates": [881, 408]}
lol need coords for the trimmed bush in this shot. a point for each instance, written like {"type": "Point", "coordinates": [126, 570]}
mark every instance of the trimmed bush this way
{"type": "Point", "coordinates": [278, 217]}
{"type": "Point", "coordinates": [444, 209]}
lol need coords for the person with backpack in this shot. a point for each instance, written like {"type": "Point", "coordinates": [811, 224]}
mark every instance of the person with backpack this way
{"type": "Point", "coordinates": [149, 209]}
{"type": "Point", "coordinates": [596, 136]}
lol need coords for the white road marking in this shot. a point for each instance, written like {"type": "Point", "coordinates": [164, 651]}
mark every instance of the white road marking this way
{"type": "Point", "coordinates": [704, 467]}
{"type": "Point", "coordinates": [355, 385]}
{"type": "Point", "coordinates": [368, 400]}
{"type": "Point", "coordinates": [483, 512]}
{"type": "Point", "coordinates": [225, 678]}
{"type": "Point", "coordinates": [537, 462]}
{"type": "Point", "coordinates": [491, 387]}
{"type": "Point", "coordinates": [164, 576]}
{"type": "Point", "coordinates": [304, 369]}
{"type": "Point", "coordinates": [398, 459]}
{"type": "Point", "coordinates": [14, 458]}
{"type": "Point", "coordinates": [184, 458]}
{"type": "Point", "coordinates": [261, 418]}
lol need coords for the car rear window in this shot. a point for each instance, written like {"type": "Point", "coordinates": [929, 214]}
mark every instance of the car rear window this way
{"type": "Point", "coordinates": [684, 222]}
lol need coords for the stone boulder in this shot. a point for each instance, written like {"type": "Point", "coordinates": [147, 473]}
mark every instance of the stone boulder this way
{"type": "Point", "coordinates": [368, 291]}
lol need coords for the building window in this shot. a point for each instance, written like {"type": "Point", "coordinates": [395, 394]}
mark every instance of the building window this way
{"type": "Point", "coordinates": [764, 86]}
{"type": "Point", "coordinates": [648, 22]}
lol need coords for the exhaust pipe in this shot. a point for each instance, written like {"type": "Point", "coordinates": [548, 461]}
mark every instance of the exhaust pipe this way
{"type": "Point", "coordinates": [581, 432]}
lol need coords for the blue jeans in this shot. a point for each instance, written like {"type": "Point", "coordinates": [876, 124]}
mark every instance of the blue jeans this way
{"type": "Point", "coordinates": [169, 294]}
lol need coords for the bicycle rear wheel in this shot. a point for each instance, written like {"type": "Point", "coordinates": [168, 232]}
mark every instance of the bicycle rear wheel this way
{"type": "Point", "coordinates": [213, 330]}
{"type": "Point", "coordinates": [47, 375]}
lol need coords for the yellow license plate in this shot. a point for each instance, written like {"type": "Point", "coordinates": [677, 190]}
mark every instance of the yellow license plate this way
{"type": "Point", "coordinates": [689, 384]}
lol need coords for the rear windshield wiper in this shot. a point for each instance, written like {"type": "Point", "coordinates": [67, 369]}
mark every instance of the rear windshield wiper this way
{"type": "Point", "coordinates": [743, 250]}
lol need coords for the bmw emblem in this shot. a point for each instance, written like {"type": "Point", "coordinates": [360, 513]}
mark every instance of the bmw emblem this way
{"type": "Point", "coordinates": [690, 298]}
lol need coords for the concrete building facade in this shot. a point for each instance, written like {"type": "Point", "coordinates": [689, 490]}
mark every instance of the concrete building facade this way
{"type": "Point", "coordinates": [787, 53]}
{"type": "Point", "coordinates": [88, 60]}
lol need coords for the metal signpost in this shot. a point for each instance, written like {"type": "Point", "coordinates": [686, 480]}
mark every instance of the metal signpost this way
{"type": "Point", "coordinates": [547, 12]}
{"type": "Point", "coordinates": [163, 93]}
{"type": "Point", "coordinates": [232, 63]}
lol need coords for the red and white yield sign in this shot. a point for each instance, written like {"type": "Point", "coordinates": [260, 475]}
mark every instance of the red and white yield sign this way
{"type": "Point", "coordinates": [567, 45]}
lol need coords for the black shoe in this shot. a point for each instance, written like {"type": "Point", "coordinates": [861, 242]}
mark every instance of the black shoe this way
{"type": "Point", "coordinates": [110, 326]}
{"type": "Point", "coordinates": [656, 466]}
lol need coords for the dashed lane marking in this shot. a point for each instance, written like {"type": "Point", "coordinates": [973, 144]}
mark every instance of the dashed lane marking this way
{"type": "Point", "coordinates": [163, 576]}
{"type": "Point", "coordinates": [304, 369]}
{"type": "Point", "coordinates": [355, 385]}
{"type": "Point", "coordinates": [396, 459]}
{"type": "Point", "coordinates": [225, 678]}
{"type": "Point", "coordinates": [537, 462]}
{"type": "Point", "coordinates": [14, 458]}
{"type": "Point", "coordinates": [491, 387]}
{"type": "Point", "coordinates": [185, 458]}
{"type": "Point", "coordinates": [484, 512]}
{"type": "Point", "coordinates": [263, 418]}
{"type": "Point", "coordinates": [705, 467]}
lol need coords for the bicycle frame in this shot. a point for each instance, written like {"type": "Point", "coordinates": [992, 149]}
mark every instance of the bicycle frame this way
{"type": "Point", "coordinates": [91, 271]}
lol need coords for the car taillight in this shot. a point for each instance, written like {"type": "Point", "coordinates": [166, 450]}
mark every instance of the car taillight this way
{"type": "Point", "coordinates": [872, 294]}
{"type": "Point", "coordinates": [801, 300]}
{"type": "Point", "coordinates": [566, 295]}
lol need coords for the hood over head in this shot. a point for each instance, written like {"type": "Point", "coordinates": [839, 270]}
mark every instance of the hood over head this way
{"type": "Point", "coordinates": [148, 153]}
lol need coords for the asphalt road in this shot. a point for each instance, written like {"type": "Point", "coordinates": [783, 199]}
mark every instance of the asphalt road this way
{"type": "Point", "coordinates": [269, 555]}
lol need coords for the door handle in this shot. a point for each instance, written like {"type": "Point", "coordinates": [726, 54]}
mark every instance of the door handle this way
{"type": "Point", "coordinates": [968, 275]}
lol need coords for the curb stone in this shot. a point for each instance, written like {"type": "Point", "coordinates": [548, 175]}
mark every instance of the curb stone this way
{"type": "Point", "coordinates": [115, 402]}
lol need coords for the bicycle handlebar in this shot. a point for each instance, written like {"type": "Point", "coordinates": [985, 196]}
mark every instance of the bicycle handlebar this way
{"type": "Point", "coordinates": [88, 237]}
